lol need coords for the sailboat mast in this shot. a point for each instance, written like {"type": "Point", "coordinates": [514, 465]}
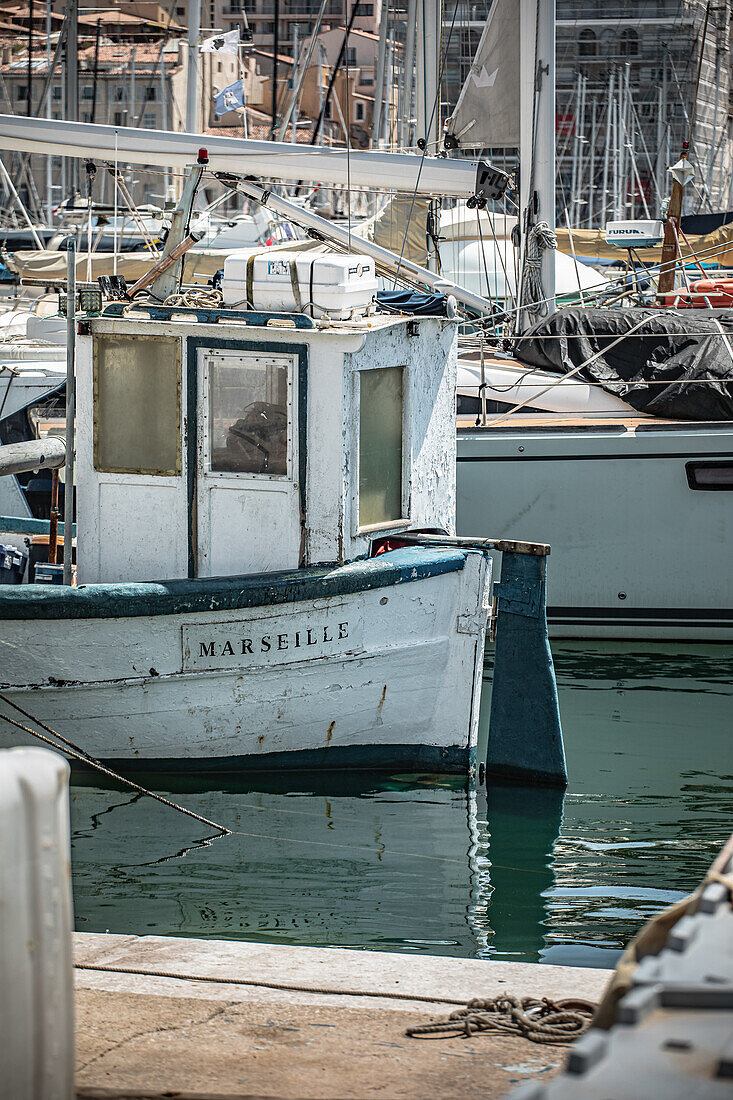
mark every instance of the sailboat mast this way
{"type": "Point", "coordinates": [429, 14]}
{"type": "Point", "coordinates": [275, 51]}
{"type": "Point", "coordinates": [379, 77]}
{"type": "Point", "coordinates": [71, 106]}
{"type": "Point", "coordinates": [409, 81]}
{"type": "Point", "coordinates": [667, 267]}
{"type": "Point", "coordinates": [537, 133]}
{"type": "Point", "coordinates": [192, 72]}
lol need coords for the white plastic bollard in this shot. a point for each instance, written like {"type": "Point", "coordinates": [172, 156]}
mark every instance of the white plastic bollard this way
{"type": "Point", "coordinates": [36, 966]}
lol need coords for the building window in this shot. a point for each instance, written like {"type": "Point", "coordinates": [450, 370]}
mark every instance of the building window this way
{"type": "Point", "coordinates": [628, 43]}
{"type": "Point", "coordinates": [380, 445]}
{"type": "Point", "coordinates": [235, 6]}
{"type": "Point", "coordinates": [57, 91]}
{"type": "Point", "coordinates": [587, 44]}
{"type": "Point", "coordinates": [351, 55]}
{"type": "Point", "coordinates": [359, 110]}
{"type": "Point", "coordinates": [151, 92]}
{"type": "Point", "coordinates": [366, 9]}
{"type": "Point", "coordinates": [21, 91]}
{"type": "Point", "coordinates": [180, 11]}
{"type": "Point", "coordinates": [118, 118]}
{"type": "Point", "coordinates": [119, 93]}
{"type": "Point", "coordinates": [150, 120]}
{"type": "Point", "coordinates": [87, 91]}
{"type": "Point", "coordinates": [137, 405]}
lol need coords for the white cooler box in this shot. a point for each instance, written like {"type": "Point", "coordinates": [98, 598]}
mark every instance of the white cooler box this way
{"type": "Point", "coordinates": [289, 282]}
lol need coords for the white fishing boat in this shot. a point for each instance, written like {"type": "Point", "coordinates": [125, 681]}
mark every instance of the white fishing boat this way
{"type": "Point", "coordinates": [285, 475]}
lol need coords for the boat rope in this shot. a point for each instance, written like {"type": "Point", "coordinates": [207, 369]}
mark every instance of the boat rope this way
{"type": "Point", "coordinates": [539, 239]}
{"type": "Point", "coordinates": [83, 757]}
{"type": "Point", "coordinates": [287, 986]}
{"type": "Point", "coordinates": [578, 1013]}
{"type": "Point", "coordinates": [545, 1021]}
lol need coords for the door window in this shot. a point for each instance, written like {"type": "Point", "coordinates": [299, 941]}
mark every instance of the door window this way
{"type": "Point", "coordinates": [249, 415]}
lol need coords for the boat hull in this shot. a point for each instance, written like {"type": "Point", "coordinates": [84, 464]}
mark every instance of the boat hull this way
{"type": "Point", "coordinates": [639, 550]}
{"type": "Point", "coordinates": [381, 671]}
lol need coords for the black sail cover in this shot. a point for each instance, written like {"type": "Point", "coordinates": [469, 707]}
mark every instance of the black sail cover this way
{"type": "Point", "coordinates": [676, 364]}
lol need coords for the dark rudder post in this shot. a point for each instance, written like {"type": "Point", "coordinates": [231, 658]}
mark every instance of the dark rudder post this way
{"type": "Point", "coordinates": [525, 733]}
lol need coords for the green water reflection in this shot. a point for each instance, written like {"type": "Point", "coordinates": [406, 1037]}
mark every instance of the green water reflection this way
{"type": "Point", "coordinates": [418, 863]}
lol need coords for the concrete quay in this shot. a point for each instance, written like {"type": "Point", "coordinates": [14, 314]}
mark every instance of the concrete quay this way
{"type": "Point", "coordinates": [189, 1036]}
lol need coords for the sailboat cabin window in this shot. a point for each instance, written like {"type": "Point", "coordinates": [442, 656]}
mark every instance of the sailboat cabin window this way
{"type": "Point", "coordinates": [248, 414]}
{"type": "Point", "coordinates": [380, 445]}
{"type": "Point", "coordinates": [137, 404]}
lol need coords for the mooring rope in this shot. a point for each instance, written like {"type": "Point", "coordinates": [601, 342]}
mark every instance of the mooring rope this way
{"type": "Point", "coordinates": [544, 1021]}
{"type": "Point", "coordinates": [287, 986]}
{"type": "Point", "coordinates": [83, 757]}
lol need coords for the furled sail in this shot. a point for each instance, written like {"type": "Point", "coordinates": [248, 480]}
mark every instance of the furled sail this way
{"type": "Point", "coordinates": [487, 112]}
{"type": "Point", "coordinates": [264, 159]}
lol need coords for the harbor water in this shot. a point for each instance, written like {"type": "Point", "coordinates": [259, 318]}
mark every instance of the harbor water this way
{"type": "Point", "coordinates": [422, 863]}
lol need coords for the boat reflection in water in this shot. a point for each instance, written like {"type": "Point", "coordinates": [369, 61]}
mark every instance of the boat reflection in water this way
{"type": "Point", "coordinates": [402, 864]}
{"type": "Point", "coordinates": [420, 863]}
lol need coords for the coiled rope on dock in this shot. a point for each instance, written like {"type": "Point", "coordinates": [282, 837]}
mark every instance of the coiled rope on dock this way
{"type": "Point", "coordinates": [543, 1021]}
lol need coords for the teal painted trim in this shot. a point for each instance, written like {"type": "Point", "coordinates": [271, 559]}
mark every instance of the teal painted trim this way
{"type": "Point", "coordinates": [26, 525]}
{"type": "Point", "coordinates": [185, 597]}
{"type": "Point", "coordinates": [525, 734]}
{"type": "Point", "coordinates": [434, 759]}
{"type": "Point", "coordinates": [194, 344]}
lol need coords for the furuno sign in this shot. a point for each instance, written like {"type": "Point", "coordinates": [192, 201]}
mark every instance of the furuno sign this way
{"type": "Point", "coordinates": [271, 639]}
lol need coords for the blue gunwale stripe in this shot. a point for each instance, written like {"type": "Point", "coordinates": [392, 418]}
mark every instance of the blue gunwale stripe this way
{"type": "Point", "coordinates": [181, 597]}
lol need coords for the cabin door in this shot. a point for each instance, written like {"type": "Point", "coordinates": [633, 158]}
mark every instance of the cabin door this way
{"type": "Point", "coordinates": [247, 494]}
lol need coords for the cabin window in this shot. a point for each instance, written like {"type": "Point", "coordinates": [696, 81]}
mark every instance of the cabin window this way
{"type": "Point", "coordinates": [710, 475]}
{"type": "Point", "coordinates": [248, 420]}
{"type": "Point", "coordinates": [380, 445]}
{"type": "Point", "coordinates": [137, 405]}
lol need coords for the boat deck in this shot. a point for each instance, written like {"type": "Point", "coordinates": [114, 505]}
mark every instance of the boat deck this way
{"type": "Point", "coordinates": [575, 422]}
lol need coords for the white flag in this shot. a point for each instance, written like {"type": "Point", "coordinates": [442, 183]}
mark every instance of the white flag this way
{"type": "Point", "coordinates": [221, 43]}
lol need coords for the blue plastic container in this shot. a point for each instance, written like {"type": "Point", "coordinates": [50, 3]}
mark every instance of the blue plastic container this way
{"type": "Point", "coordinates": [12, 564]}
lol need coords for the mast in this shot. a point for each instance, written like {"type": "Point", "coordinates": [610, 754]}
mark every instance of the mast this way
{"type": "Point", "coordinates": [192, 75]}
{"type": "Point", "coordinates": [96, 71]}
{"type": "Point", "coordinates": [606, 151]}
{"type": "Point", "coordinates": [409, 79]}
{"type": "Point", "coordinates": [428, 72]}
{"type": "Point", "coordinates": [49, 166]}
{"type": "Point", "coordinates": [379, 75]}
{"type": "Point", "coordinates": [667, 266]}
{"type": "Point", "coordinates": [72, 81]}
{"type": "Point", "coordinates": [294, 127]}
{"type": "Point", "coordinates": [337, 66]}
{"type": "Point", "coordinates": [537, 134]}
{"type": "Point", "coordinates": [275, 51]}
{"type": "Point", "coordinates": [30, 56]}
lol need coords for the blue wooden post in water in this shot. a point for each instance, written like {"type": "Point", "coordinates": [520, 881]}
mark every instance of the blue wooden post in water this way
{"type": "Point", "coordinates": [525, 735]}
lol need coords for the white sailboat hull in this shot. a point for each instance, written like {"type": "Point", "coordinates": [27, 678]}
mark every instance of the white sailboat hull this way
{"type": "Point", "coordinates": [637, 551]}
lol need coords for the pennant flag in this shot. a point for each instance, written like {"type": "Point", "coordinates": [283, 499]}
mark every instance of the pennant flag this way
{"type": "Point", "coordinates": [229, 99]}
{"type": "Point", "coordinates": [221, 43]}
